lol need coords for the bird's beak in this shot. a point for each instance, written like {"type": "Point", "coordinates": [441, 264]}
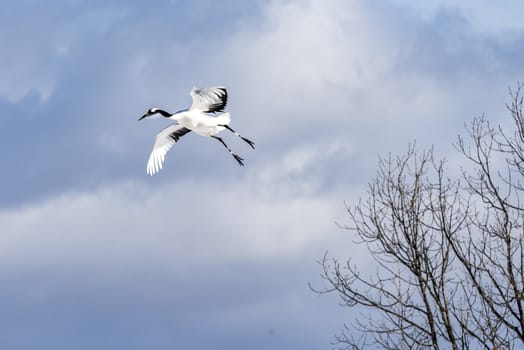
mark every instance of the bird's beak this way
{"type": "Point", "coordinates": [142, 117]}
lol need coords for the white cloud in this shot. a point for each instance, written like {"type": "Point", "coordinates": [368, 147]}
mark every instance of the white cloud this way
{"type": "Point", "coordinates": [301, 169]}
{"type": "Point", "coordinates": [341, 67]}
{"type": "Point", "coordinates": [307, 56]}
{"type": "Point", "coordinates": [206, 222]}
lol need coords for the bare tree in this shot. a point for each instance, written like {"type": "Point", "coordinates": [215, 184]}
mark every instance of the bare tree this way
{"type": "Point", "coordinates": [448, 253]}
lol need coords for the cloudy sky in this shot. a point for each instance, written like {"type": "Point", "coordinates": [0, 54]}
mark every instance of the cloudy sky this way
{"type": "Point", "coordinates": [95, 254]}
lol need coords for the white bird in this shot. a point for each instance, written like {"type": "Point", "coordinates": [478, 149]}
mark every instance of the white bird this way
{"type": "Point", "coordinates": [196, 118]}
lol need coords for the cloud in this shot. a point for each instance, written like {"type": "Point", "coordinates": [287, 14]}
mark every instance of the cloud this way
{"type": "Point", "coordinates": [187, 220]}
{"type": "Point", "coordinates": [191, 257]}
{"type": "Point", "coordinates": [352, 69]}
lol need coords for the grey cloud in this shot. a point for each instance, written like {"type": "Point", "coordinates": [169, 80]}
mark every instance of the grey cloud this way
{"type": "Point", "coordinates": [182, 265]}
{"type": "Point", "coordinates": [226, 306]}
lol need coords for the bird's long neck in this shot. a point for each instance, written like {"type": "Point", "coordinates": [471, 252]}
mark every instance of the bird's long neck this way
{"type": "Point", "coordinates": [163, 113]}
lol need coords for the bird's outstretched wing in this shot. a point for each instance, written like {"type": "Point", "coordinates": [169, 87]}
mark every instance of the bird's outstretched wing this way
{"type": "Point", "coordinates": [213, 99]}
{"type": "Point", "coordinates": [166, 138]}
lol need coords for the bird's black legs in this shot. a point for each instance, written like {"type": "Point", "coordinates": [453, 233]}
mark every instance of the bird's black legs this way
{"type": "Point", "coordinates": [236, 156]}
{"type": "Point", "coordinates": [249, 142]}
{"type": "Point", "coordinates": [239, 159]}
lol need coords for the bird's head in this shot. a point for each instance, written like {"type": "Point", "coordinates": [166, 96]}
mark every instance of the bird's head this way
{"type": "Point", "coordinates": [153, 111]}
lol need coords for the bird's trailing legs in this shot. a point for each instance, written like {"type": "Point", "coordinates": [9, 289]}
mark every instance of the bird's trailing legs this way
{"type": "Point", "coordinates": [239, 159]}
{"type": "Point", "coordinates": [249, 142]}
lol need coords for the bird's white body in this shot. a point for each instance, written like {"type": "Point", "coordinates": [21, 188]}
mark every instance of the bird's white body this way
{"type": "Point", "coordinates": [202, 123]}
{"type": "Point", "coordinates": [198, 119]}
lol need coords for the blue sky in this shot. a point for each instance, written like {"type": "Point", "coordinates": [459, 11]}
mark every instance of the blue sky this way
{"type": "Point", "coordinates": [95, 254]}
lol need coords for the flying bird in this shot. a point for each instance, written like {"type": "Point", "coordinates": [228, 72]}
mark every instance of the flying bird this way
{"type": "Point", "coordinates": [199, 118]}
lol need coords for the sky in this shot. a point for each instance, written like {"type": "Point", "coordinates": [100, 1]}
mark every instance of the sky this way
{"type": "Point", "coordinates": [96, 254]}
